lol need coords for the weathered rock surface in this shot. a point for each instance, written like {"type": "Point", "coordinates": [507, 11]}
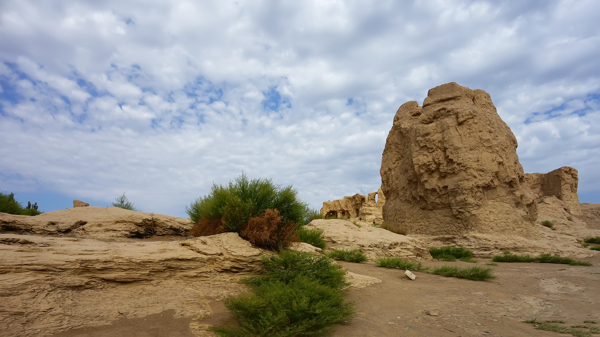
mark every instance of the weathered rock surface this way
{"type": "Point", "coordinates": [561, 183]}
{"type": "Point", "coordinates": [98, 222]}
{"type": "Point", "coordinates": [451, 167]}
{"type": "Point", "coordinates": [79, 203]}
{"type": "Point", "coordinates": [367, 209]}
{"type": "Point", "coordinates": [373, 242]}
{"type": "Point", "coordinates": [53, 284]}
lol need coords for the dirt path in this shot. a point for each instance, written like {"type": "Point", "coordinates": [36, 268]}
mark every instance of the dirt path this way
{"type": "Point", "coordinates": [433, 305]}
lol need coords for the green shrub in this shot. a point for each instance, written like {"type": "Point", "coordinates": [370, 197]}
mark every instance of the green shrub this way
{"type": "Point", "coordinates": [312, 214]}
{"type": "Point", "coordinates": [595, 248]}
{"type": "Point", "coordinates": [302, 307]}
{"type": "Point", "coordinates": [473, 273]}
{"type": "Point", "coordinates": [542, 258]}
{"type": "Point", "coordinates": [548, 224]}
{"type": "Point", "coordinates": [350, 255]}
{"type": "Point", "coordinates": [547, 326]}
{"type": "Point", "coordinates": [448, 253]}
{"type": "Point", "coordinates": [124, 203]}
{"type": "Point", "coordinates": [288, 265]}
{"type": "Point", "coordinates": [396, 262]}
{"type": "Point", "coordinates": [243, 199]}
{"type": "Point", "coordinates": [299, 294]}
{"type": "Point", "coordinates": [595, 239]}
{"type": "Point", "coordinates": [312, 237]}
{"type": "Point", "coordinates": [9, 205]}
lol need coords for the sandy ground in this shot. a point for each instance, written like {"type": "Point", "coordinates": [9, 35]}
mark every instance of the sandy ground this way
{"type": "Point", "coordinates": [431, 305]}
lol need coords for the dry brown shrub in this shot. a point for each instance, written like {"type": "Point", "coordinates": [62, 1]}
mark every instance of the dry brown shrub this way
{"type": "Point", "coordinates": [207, 226]}
{"type": "Point", "coordinates": [268, 230]}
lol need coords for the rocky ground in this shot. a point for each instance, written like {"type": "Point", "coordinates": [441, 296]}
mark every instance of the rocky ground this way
{"type": "Point", "coordinates": [128, 282]}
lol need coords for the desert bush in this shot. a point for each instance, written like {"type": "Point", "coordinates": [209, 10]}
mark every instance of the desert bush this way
{"type": "Point", "coordinates": [548, 224]}
{"type": "Point", "coordinates": [448, 253]}
{"type": "Point", "coordinates": [312, 214]}
{"type": "Point", "coordinates": [350, 255]}
{"type": "Point", "coordinates": [9, 205]}
{"type": "Point", "coordinates": [268, 230]}
{"type": "Point", "coordinates": [396, 262]}
{"type": "Point", "coordinates": [312, 237]}
{"type": "Point", "coordinates": [288, 265]}
{"type": "Point", "coordinates": [398, 229]}
{"type": "Point", "coordinates": [299, 294]}
{"type": "Point", "coordinates": [124, 203]}
{"type": "Point", "coordinates": [473, 273]}
{"type": "Point", "coordinates": [242, 200]}
{"type": "Point", "coordinates": [542, 258]}
{"type": "Point", "coordinates": [595, 239]}
{"type": "Point", "coordinates": [548, 326]}
{"type": "Point", "coordinates": [302, 307]}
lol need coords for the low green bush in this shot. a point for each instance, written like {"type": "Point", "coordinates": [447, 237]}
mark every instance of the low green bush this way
{"type": "Point", "coordinates": [9, 205]}
{"type": "Point", "coordinates": [595, 248]}
{"type": "Point", "coordinates": [299, 294]}
{"type": "Point", "coordinates": [595, 239]}
{"type": "Point", "coordinates": [288, 265]}
{"type": "Point", "coordinates": [260, 211]}
{"type": "Point", "coordinates": [312, 237]}
{"type": "Point", "coordinates": [473, 273]}
{"type": "Point", "coordinates": [449, 253]}
{"type": "Point", "coordinates": [312, 214]}
{"type": "Point", "coordinates": [350, 255]}
{"type": "Point", "coordinates": [396, 262]}
{"type": "Point", "coordinates": [542, 258]}
{"type": "Point", "coordinates": [573, 330]}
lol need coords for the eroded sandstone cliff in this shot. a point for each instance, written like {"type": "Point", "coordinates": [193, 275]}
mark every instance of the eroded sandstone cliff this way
{"type": "Point", "coordinates": [451, 167]}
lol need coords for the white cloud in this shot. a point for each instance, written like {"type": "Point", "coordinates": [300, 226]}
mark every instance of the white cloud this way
{"type": "Point", "coordinates": [166, 98]}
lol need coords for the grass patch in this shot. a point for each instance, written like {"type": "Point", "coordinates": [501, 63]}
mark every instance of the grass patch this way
{"type": "Point", "coordinates": [350, 255]}
{"type": "Point", "coordinates": [555, 321]}
{"type": "Point", "coordinates": [585, 245]}
{"type": "Point", "coordinates": [312, 214]}
{"type": "Point", "coordinates": [491, 264]}
{"type": "Point", "coordinates": [590, 322]}
{"type": "Point", "coordinates": [356, 224]}
{"type": "Point", "coordinates": [396, 262]}
{"type": "Point", "coordinates": [472, 273]}
{"type": "Point", "coordinates": [573, 330]}
{"type": "Point", "coordinates": [595, 248]}
{"type": "Point", "coordinates": [312, 237]}
{"type": "Point", "coordinates": [548, 224]}
{"type": "Point", "coordinates": [299, 294]}
{"type": "Point", "coordinates": [542, 258]}
{"type": "Point", "coordinates": [595, 239]}
{"type": "Point", "coordinates": [541, 201]}
{"type": "Point", "coordinates": [448, 253]}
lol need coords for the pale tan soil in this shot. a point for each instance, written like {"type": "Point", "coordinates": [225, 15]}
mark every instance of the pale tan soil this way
{"type": "Point", "coordinates": [398, 306]}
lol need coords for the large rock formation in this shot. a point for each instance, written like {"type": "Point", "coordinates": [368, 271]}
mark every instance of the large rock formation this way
{"type": "Point", "coordinates": [99, 222]}
{"type": "Point", "coordinates": [451, 167]}
{"type": "Point", "coordinates": [357, 207]}
{"type": "Point", "coordinates": [561, 183]}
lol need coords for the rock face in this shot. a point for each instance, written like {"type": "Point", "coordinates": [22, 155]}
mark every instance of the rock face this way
{"type": "Point", "coordinates": [364, 208]}
{"type": "Point", "coordinates": [98, 222]}
{"type": "Point", "coordinates": [79, 203]}
{"type": "Point", "coordinates": [451, 167]}
{"type": "Point", "coordinates": [373, 242]}
{"type": "Point", "coordinates": [561, 183]}
{"type": "Point", "coordinates": [53, 284]}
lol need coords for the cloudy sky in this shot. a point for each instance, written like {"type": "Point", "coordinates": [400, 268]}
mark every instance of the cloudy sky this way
{"type": "Point", "coordinates": [161, 99]}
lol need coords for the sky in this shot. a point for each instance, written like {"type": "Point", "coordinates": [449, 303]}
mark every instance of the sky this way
{"type": "Point", "coordinates": [162, 99]}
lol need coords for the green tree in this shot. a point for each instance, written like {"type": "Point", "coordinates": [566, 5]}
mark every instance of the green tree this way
{"type": "Point", "coordinates": [124, 203]}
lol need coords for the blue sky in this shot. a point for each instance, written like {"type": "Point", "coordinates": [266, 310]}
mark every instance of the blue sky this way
{"type": "Point", "coordinates": [161, 99]}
